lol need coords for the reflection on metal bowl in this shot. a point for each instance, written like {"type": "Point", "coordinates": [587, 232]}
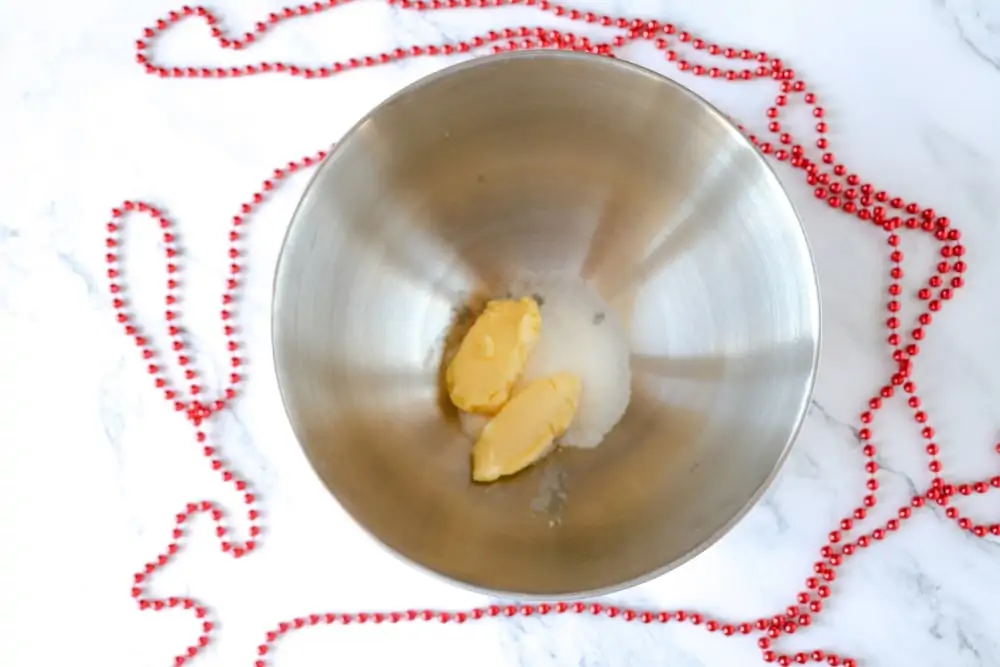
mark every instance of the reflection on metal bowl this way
{"type": "Point", "coordinates": [541, 161]}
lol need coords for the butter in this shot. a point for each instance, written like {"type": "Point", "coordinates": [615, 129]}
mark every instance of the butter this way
{"type": "Point", "coordinates": [525, 429]}
{"type": "Point", "coordinates": [492, 355]}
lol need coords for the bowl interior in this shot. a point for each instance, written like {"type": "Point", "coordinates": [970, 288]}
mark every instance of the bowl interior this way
{"type": "Point", "coordinates": [546, 161]}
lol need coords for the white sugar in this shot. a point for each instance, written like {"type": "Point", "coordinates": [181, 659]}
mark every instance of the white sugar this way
{"type": "Point", "coordinates": [582, 335]}
{"type": "Point", "coordinates": [472, 424]}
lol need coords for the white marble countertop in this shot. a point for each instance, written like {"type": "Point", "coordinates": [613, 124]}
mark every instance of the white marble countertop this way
{"type": "Point", "coordinates": [93, 465]}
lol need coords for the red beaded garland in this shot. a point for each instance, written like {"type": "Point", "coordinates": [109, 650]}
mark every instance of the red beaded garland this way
{"type": "Point", "coordinates": [832, 181]}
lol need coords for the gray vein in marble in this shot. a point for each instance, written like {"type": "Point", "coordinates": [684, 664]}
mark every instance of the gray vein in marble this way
{"type": "Point", "coordinates": [987, 546]}
{"type": "Point", "coordinates": [834, 421]}
{"type": "Point", "coordinates": [964, 644]}
{"type": "Point", "coordinates": [911, 488]}
{"type": "Point", "coordinates": [12, 271]}
{"type": "Point", "coordinates": [562, 641]}
{"type": "Point", "coordinates": [809, 467]}
{"type": "Point", "coordinates": [975, 175]}
{"type": "Point", "coordinates": [113, 423]}
{"type": "Point", "coordinates": [978, 26]}
{"type": "Point", "coordinates": [995, 63]}
{"type": "Point", "coordinates": [928, 592]}
{"type": "Point", "coordinates": [950, 142]}
{"type": "Point", "coordinates": [947, 625]}
{"type": "Point", "coordinates": [976, 643]}
{"type": "Point", "coordinates": [252, 461]}
{"type": "Point", "coordinates": [81, 271]}
{"type": "Point", "coordinates": [780, 522]}
{"type": "Point", "coordinates": [402, 16]}
{"type": "Point", "coordinates": [8, 233]}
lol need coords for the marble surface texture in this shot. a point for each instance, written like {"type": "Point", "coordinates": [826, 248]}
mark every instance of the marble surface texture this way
{"type": "Point", "coordinates": [93, 465]}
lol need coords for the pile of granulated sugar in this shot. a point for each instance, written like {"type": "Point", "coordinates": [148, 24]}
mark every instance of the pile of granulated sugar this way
{"type": "Point", "coordinates": [582, 335]}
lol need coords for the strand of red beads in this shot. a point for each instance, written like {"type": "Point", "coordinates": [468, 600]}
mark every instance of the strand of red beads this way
{"type": "Point", "coordinates": [833, 183]}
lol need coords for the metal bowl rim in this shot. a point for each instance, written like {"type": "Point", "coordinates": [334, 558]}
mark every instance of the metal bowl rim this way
{"type": "Point", "coordinates": [815, 314]}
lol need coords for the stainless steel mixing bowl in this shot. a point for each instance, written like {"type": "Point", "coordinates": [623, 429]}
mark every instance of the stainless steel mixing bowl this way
{"type": "Point", "coordinates": [543, 160]}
